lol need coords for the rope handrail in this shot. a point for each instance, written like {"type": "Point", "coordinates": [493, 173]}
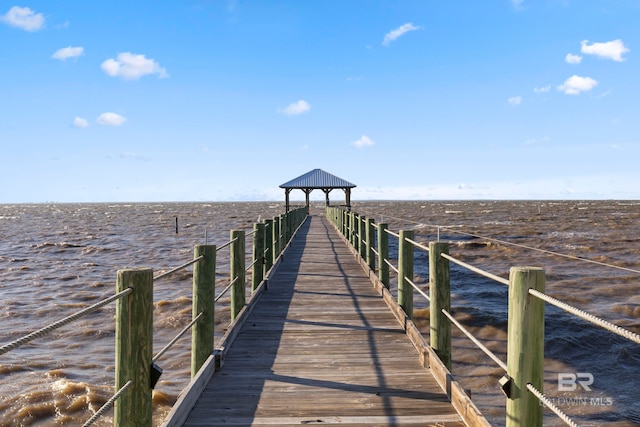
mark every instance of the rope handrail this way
{"type": "Point", "coordinates": [420, 291]}
{"type": "Point", "coordinates": [226, 244]}
{"type": "Point", "coordinates": [176, 338]}
{"type": "Point", "coordinates": [224, 291]}
{"type": "Point", "coordinates": [476, 270]}
{"type": "Point", "coordinates": [475, 340]}
{"type": "Point", "coordinates": [108, 404]}
{"type": "Point", "coordinates": [392, 233]}
{"type": "Point", "coordinates": [257, 260]}
{"type": "Point", "coordinates": [418, 245]}
{"type": "Point", "coordinates": [477, 236]}
{"type": "Point", "coordinates": [625, 333]}
{"type": "Point", "coordinates": [549, 404]}
{"type": "Point", "coordinates": [62, 322]}
{"type": "Point", "coordinates": [180, 267]}
{"type": "Point", "coordinates": [391, 266]}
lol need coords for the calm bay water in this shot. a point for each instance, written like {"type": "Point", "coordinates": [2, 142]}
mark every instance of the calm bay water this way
{"type": "Point", "coordinates": [56, 259]}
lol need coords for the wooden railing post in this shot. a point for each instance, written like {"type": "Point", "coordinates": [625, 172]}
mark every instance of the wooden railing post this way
{"type": "Point", "coordinates": [283, 231]}
{"type": "Point", "coordinates": [362, 237]}
{"type": "Point", "coordinates": [204, 276]}
{"type": "Point", "coordinates": [276, 238]}
{"type": "Point", "coordinates": [525, 346]}
{"type": "Point", "coordinates": [355, 230]}
{"type": "Point", "coordinates": [134, 344]}
{"type": "Point", "coordinates": [257, 271]}
{"type": "Point", "coordinates": [237, 266]}
{"type": "Point", "coordinates": [268, 246]}
{"type": "Point", "coordinates": [371, 260]}
{"type": "Point", "coordinates": [383, 254]}
{"type": "Point", "coordinates": [405, 271]}
{"type": "Point", "coordinates": [440, 296]}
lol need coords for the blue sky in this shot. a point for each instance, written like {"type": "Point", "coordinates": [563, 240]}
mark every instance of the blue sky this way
{"type": "Point", "coordinates": [225, 100]}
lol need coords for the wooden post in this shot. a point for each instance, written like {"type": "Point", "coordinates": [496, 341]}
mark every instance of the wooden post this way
{"type": "Point", "coordinates": [356, 232]}
{"type": "Point", "coordinates": [363, 237]}
{"type": "Point", "coordinates": [268, 246]}
{"type": "Point", "coordinates": [204, 276]}
{"type": "Point", "coordinates": [134, 346]}
{"type": "Point", "coordinates": [276, 239]}
{"type": "Point", "coordinates": [440, 296]}
{"type": "Point", "coordinates": [525, 346]}
{"type": "Point", "coordinates": [371, 260]}
{"type": "Point", "coordinates": [405, 271]}
{"type": "Point", "coordinates": [257, 271]}
{"type": "Point", "coordinates": [236, 263]}
{"type": "Point", "coordinates": [383, 254]}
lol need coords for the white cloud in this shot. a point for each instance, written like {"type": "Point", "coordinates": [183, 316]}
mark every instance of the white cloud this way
{"type": "Point", "coordinates": [572, 59]}
{"type": "Point", "coordinates": [398, 32]}
{"type": "Point", "coordinates": [296, 108]}
{"type": "Point", "coordinates": [110, 119]}
{"type": "Point", "coordinates": [517, 2]}
{"type": "Point", "coordinates": [543, 89]}
{"type": "Point", "coordinates": [610, 50]}
{"type": "Point", "coordinates": [68, 52]}
{"type": "Point", "coordinates": [364, 141]}
{"type": "Point", "coordinates": [24, 18]}
{"type": "Point", "coordinates": [79, 122]}
{"type": "Point", "coordinates": [576, 84]}
{"type": "Point", "coordinates": [515, 100]}
{"type": "Point", "coordinates": [132, 66]}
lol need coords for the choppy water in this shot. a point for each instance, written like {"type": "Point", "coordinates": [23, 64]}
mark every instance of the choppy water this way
{"type": "Point", "coordinates": [57, 259]}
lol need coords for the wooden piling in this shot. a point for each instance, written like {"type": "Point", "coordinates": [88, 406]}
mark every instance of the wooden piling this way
{"type": "Point", "coordinates": [134, 346]}
{"type": "Point", "coordinates": [257, 270]}
{"type": "Point", "coordinates": [525, 351]}
{"type": "Point", "coordinates": [237, 272]}
{"type": "Point", "coordinates": [268, 246]}
{"type": "Point", "coordinates": [370, 234]}
{"type": "Point", "coordinates": [276, 239]}
{"type": "Point", "coordinates": [405, 270]}
{"type": "Point", "coordinates": [440, 296]}
{"type": "Point", "coordinates": [383, 254]}
{"type": "Point", "coordinates": [204, 276]}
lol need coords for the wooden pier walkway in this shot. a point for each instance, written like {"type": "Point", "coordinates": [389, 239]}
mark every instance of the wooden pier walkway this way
{"type": "Point", "coordinates": [322, 347]}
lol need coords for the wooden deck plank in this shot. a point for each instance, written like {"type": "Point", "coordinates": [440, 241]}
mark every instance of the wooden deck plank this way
{"type": "Point", "coordinates": [322, 347]}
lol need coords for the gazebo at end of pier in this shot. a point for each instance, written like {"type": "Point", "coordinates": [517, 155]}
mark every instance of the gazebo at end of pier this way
{"type": "Point", "coordinates": [317, 179]}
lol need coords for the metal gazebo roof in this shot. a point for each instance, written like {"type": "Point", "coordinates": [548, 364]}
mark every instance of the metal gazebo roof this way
{"type": "Point", "coordinates": [317, 179]}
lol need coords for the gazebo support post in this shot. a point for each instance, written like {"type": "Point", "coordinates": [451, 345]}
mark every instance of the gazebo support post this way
{"type": "Point", "coordinates": [326, 195]}
{"type": "Point", "coordinates": [286, 198]}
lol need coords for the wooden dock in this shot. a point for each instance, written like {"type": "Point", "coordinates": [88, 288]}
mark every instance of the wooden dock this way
{"type": "Point", "coordinates": [321, 347]}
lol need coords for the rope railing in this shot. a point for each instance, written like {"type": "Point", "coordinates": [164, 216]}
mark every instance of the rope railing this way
{"type": "Point", "coordinates": [178, 268]}
{"type": "Point", "coordinates": [476, 270]}
{"type": "Point", "coordinates": [420, 291]}
{"type": "Point", "coordinates": [418, 245]}
{"type": "Point", "coordinates": [176, 338]}
{"type": "Point", "coordinates": [391, 266]}
{"type": "Point", "coordinates": [549, 404]}
{"type": "Point", "coordinates": [225, 290]}
{"type": "Point", "coordinates": [476, 341]}
{"type": "Point", "coordinates": [224, 245]}
{"type": "Point", "coordinates": [519, 245]}
{"type": "Point", "coordinates": [632, 336]}
{"type": "Point", "coordinates": [62, 322]}
{"type": "Point", "coordinates": [108, 404]}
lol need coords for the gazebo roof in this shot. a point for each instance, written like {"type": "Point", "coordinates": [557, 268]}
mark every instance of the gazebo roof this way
{"type": "Point", "coordinates": [317, 179]}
